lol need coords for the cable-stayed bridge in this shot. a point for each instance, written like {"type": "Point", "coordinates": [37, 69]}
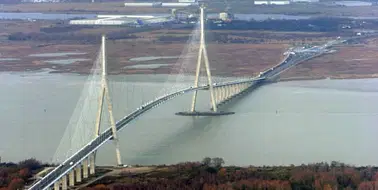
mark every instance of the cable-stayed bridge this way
{"type": "Point", "coordinates": [77, 156]}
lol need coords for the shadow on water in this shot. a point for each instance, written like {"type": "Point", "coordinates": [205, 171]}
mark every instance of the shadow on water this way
{"type": "Point", "coordinates": [192, 130]}
{"type": "Point", "coordinates": [236, 101]}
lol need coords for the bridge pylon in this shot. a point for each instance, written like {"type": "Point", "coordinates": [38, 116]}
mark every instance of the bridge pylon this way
{"type": "Point", "coordinates": [203, 57]}
{"type": "Point", "coordinates": [105, 96]}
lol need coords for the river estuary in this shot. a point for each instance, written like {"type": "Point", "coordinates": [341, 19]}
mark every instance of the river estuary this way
{"type": "Point", "coordinates": [283, 123]}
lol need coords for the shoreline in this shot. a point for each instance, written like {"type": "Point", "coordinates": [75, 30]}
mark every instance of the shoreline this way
{"type": "Point", "coordinates": [288, 79]}
{"type": "Point", "coordinates": [243, 7]}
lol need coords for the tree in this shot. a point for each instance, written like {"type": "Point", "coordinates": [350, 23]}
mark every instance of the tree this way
{"type": "Point", "coordinates": [217, 162]}
{"type": "Point", "coordinates": [206, 161]}
{"type": "Point", "coordinates": [32, 164]}
{"type": "Point", "coordinates": [100, 187]}
{"type": "Point", "coordinates": [16, 183]}
{"type": "Point", "coordinates": [25, 173]}
{"type": "Point", "coordinates": [222, 172]}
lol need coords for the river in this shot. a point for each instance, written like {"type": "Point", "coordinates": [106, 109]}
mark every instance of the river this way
{"type": "Point", "coordinates": [283, 123]}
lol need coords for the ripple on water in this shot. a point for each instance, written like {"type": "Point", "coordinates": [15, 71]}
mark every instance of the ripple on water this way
{"type": "Point", "coordinates": [9, 59]}
{"type": "Point", "coordinates": [65, 61]}
{"type": "Point", "coordinates": [56, 54]}
{"type": "Point", "coordinates": [146, 66]}
{"type": "Point", "coordinates": [151, 58]}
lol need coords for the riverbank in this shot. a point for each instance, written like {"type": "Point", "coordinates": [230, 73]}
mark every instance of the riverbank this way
{"type": "Point", "coordinates": [210, 174]}
{"type": "Point", "coordinates": [63, 48]}
{"type": "Point", "coordinates": [141, 57]}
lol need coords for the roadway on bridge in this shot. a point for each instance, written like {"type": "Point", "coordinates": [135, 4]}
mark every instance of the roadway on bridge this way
{"type": "Point", "coordinates": [292, 59]}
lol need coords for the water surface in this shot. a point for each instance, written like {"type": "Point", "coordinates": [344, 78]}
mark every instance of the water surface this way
{"type": "Point", "coordinates": [61, 54]}
{"type": "Point", "coordinates": [146, 66]}
{"type": "Point", "coordinates": [352, 3]}
{"type": "Point", "coordinates": [9, 59]}
{"type": "Point", "coordinates": [65, 61]}
{"type": "Point", "coordinates": [282, 123]}
{"type": "Point", "coordinates": [152, 58]}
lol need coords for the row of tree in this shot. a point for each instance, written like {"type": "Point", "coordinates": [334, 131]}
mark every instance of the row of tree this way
{"type": "Point", "coordinates": [321, 24]}
{"type": "Point", "coordinates": [210, 174]}
{"type": "Point", "coordinates": [15, 176]}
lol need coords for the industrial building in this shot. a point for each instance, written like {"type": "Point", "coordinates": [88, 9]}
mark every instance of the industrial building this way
{"type": "Point", "coordinates": [41, 1]}
{"type": "Point", "coordinates": [304, 1]}
{"type": "Point", "coordinates": [226, 16]}
{"type": "Point", "coordinates": [187, 1]}
{"type": "Point", "coordinates": [275, 2]}
{"type": "Point", "coordinates": [154, 4]}
{"type": "Point", "coordinates": [131, 20]}
{"type": "Point", "coordinates": [112, 21]}
{"type": "Point", "coordinates": [180, 3]}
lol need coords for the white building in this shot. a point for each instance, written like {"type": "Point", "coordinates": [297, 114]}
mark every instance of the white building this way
{"type": "Point", "coordinates": [304, 1]}
{"type": "Point", "coordinates": [187, 1]}
{"type": "Point", "coordinates": [261, 2]}
{"type": "Point", "coordinates": [279, 2]}
{"type": "Point", "coordinates": [274, 2]}
{"type": "Point", "coordinates": [41, 1]}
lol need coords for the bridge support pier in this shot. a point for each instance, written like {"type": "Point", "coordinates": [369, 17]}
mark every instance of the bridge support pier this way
{"type": "Point", "coordinates": [217, 95]}
{"type": "Point", "coordinates": [92, 164]}
{"type": "Point", "coordinates": [78, 173]}
{"type": "Point", "coordinates": [225, 95]}
{"type": "Point", "coordinates": [57, 185]}
{"type": "Point", "coordinates": [85, 168]}
{"type": "Point", "coordinates": [64, 183]}
{"type": "Point", "coordinates": [71, 179]}
{"type": "Point", "coordinates": [221, 94]}
{"type": "Point", "coordinates": [232, 91]}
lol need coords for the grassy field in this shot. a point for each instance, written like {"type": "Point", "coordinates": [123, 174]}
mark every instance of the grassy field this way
{"type": "Point", "coordinates": [261, 50]}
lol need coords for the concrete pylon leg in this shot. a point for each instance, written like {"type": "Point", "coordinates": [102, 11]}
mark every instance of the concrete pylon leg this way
{"type": "Point", "coordinates": [222, 94]}
{"type": "Point", "coordinates": [57, 185]}
{"type": "Point", "coordinates": [71, 180]}
{"type": "Point", "coordinates": [92, 164]}
{"type": "Point", "coordinates": [226, 92]}
{"type": "Point", "coordinates": [64, 183]}
{"type": "Point", "coordinates": [215, 95]}
{"type": "Point", "coordinates": [218, 98]}
{"type": "Point", "coordinates": [85, 168]}
{"type": "Point", "coordinates": [78, 173]}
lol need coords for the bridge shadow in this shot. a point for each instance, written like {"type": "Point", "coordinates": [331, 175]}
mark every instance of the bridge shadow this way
{"type": "Point", "coordinates": [196, 128]}
{"type": "Point", "coordinates": [192, 130]}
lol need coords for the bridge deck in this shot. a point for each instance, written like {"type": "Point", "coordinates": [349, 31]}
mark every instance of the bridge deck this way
{"type": "Point", "coordinates": [92, 146]}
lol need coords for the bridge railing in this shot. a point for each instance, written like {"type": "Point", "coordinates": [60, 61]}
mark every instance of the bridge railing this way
{"type": "Point", "coordinates": [93, 145]}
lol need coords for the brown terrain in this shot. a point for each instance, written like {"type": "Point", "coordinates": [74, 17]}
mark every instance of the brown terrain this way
{"type": "Point", "coordinates": [227, 58]}
{"type": "Point", "coordinates": [237, 6]}
{"type": "Point", "coordinates": [353, 61]}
